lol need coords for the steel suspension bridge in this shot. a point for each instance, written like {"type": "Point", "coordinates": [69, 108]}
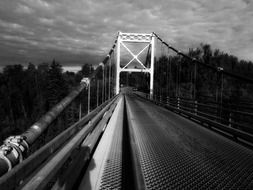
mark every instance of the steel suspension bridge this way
{"type": "Point", "coordinates": [188, 129]}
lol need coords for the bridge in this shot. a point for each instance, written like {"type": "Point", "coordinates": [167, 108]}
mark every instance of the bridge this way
{"type": "Point", "coordinates": [181, 125]}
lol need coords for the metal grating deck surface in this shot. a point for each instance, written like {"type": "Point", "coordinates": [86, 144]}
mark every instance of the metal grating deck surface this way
{"type": "Point", "coordinates": [112, 174]}
{"type": "Point", "coordinates": [176, 153]}
{"type": "Point", "coordinates": [118, 165]}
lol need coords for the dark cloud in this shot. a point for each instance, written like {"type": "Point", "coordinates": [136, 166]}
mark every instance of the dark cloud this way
{"type": "Point", "coordinates": [75, 32]}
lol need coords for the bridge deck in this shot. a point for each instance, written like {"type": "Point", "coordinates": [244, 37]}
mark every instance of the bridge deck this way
{"type": "Point", "coordinates": [171, 152]}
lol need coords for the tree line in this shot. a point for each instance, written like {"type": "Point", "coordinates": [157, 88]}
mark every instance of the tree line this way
{"type": "Point", "coordinates": [28, 93]}
{"type": "Point", "coordinates": [177, 76]}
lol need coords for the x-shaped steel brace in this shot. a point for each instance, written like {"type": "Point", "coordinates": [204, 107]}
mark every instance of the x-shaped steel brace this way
{"type": "Point", "coordinates": [135, 57]}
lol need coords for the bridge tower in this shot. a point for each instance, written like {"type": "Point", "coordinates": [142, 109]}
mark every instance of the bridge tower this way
{"type": "Point", "coordinates": [128, 38]}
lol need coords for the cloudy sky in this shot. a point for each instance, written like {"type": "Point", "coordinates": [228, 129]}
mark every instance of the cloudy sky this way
{"type": "Point", "coordinates": [79, 31]}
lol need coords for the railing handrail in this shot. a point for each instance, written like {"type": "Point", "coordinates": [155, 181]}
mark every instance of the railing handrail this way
{"type": "Point", "coordinates": [194, 114]}
{"type": "Point", "coordinates": [21, 171]}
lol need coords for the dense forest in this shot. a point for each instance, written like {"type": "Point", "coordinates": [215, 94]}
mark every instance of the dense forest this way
{"type": "Point", "coordinates": [27, 93]}
{"type": "Point", "coordinates": [191, 80]}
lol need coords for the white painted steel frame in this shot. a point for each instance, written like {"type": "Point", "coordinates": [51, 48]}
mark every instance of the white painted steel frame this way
{"type": "Point", "coordinates": [135, 38]}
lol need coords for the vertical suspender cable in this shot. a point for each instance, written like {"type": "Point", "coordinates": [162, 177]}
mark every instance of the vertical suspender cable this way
{"type": "Point", "coordinates": [179, 77]}
{"type": "Point", "coordinates": [105, 94]}
{"type": "Point", "coordinates": [170, 77]}
{"type": "Point", "coordinates": [103, 84]}
{"type": "Point", "coordinates": [195, 81]}
{"type": "Point", "coordinates": [109, 86]}
{"type": "Point", "coordinates": [177, 68]}
{"type": "Point", "coordinates": [88, 110]}
{"type": "Point", "coordinates": [167, 76]}
{"type": "Point", "coordinates": [97, 92]}
{"type": "Point", "coordinates": [221, 94]}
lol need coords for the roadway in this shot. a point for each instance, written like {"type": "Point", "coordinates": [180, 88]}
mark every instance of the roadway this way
{"type": "Point", "coordinates": [148, 147]}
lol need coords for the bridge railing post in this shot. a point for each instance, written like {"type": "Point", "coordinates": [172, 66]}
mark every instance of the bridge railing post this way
{"type": "Point", "coordinates": [196, 107]}
{"type": "Point", "coordinates": [230, 119]}
{"type": "Point", "coordinates": [178, 103]}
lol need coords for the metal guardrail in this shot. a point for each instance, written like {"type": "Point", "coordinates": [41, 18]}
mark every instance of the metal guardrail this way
{"type": "Point", "coordinates": [41, 178]}
{"type": "Point", "coordinates": [240, 135]}
{"type": "Point", "coordinates": [23, 171]}
{"type": "Point", "coordinates": [83, 155]}
{"type": "Point", "coordinates": [15, 148]}
{"type": "Point", "coordinates": [223, 114]}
